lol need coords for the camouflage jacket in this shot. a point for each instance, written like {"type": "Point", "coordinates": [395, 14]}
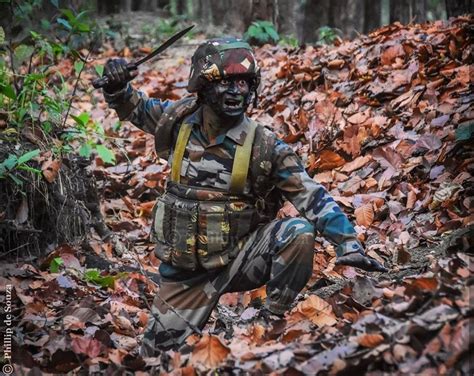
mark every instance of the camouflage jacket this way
{"type": "Point", "coordinates": [209, 165]}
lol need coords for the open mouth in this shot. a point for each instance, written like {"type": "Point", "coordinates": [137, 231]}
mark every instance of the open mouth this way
{"type": "Point", "coordinates": [233, 103]}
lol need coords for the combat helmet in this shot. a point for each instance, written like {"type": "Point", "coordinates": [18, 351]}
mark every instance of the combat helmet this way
{"type": "Point", "coordinates": [221, 58]}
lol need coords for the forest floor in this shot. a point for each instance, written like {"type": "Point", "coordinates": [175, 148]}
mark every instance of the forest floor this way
{"type": "Point", "coordinates": [384, 122]}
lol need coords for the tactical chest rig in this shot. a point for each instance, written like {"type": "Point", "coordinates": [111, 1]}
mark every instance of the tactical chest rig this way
{"type": "Point", "coordinates": [197, 227]}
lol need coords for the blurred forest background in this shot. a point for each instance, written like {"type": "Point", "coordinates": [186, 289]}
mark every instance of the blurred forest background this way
{"type": "Point", "coordinates": [298, 21]}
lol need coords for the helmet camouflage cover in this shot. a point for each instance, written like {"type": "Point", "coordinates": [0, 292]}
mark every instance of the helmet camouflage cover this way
{"type": "Point", "coordinates": [220, 58]}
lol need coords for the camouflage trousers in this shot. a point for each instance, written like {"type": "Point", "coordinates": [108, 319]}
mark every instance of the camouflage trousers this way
{"type": "Point", "coordinates": [278, 254]}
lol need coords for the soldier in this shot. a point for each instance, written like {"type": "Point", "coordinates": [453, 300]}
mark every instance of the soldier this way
{"type": "Point", "coordinates": [214, 227]}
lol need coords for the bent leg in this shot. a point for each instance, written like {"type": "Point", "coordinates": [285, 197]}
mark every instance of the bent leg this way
{"type": "Point", "coordinates": [279, 254]}
{"type": "Point", "coordinates": [178, 307]}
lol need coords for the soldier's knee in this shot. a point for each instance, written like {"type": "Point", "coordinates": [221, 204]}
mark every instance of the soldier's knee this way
{"type": "Point", "coordinates": [300, 227]}
{"type": "Point", "coordinates": [298, 232]}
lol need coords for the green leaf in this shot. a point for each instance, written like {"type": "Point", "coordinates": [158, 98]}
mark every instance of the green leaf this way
{"type": "Point", "coordinates": [465, 131]}
{"type": "Point", "coordinates": [105, 154]}
{"type": "Point", "coordinates": [94, 276]}
{"type": "Point", "coordinates": [85, 150]}
{"type": "Point", "coordinates": [99, 69]}
{"type": "Point", "coordinates": [272, 33]}
{"type": "Point", "coordinates": [55, 264]}
{"type": "Point", "coordinates": [45, 24]}
{"type": "Point", "coordinates": [82, 27]}
{"type": "Point", "coordinates": [81, 15]}
{"type": "Point", "coordinates": [10, 162]}
{"type": "Point", "coordinates": [22, 53]}
{"type": "Point", "coordinates": [30, 169]}
{"type": "Point", "coordinates": [65, 23]}
{"type": "Point", "coordinates": [8, 91]}
{"type": "Point", "coordinates": [28, 156]}
{"type": "Point", "coordinates": [82, 119]}
{"type": "Point", "coordinates": [55, 3]}
{"type": "Point", "coordinates": [69, 14]}
{"type": "Point", "coordinates": [78, 66]}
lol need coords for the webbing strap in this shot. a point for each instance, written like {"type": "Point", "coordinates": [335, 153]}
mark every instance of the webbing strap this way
{"type": "Point", "coordinates": [180, 147]}
{"type": "Point", "coordinates": [240, 168]}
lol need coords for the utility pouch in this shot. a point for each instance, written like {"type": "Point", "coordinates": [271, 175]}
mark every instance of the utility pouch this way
{"type": "Point", "coordinates": [174, 230]}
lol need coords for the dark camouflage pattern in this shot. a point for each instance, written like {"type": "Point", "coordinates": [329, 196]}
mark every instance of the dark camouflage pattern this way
{"type": "Point", "coordinates": [196, 228]}
{"type": "Point", "coordinates": [278, 254]}
{"type": "Point", "coordinates": [220, 58]}
{"type": "Point", "coordinates": [209, 165]}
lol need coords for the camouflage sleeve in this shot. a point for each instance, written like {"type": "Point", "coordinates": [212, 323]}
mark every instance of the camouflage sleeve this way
{"type": "Point", "coordinates": [312, 200]}
{"type": "Point", "coordinates": [136, 107]}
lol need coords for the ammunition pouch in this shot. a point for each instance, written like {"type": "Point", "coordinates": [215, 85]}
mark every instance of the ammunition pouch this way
{"type": "Point", "coordinates": [199, 228]}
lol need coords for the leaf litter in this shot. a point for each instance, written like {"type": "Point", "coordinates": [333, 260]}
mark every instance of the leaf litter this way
{"type": "Point", "coordinates": [384, 122]}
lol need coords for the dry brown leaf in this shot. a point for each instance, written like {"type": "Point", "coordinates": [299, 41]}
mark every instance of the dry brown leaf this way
{"type": "Point", "coordinates": [255, 334]}
{"type": "Point", "coordinates": [50, 169]}
{"type": "Point", "coordinates": [87, 346]}
{"type": "Point", "coordinates": [389, 55]}
{"type": "Point", "coordinates": [328, 160]}
{"type": "Point", "coordinates": [422, 283]}
{"type": "Point", "coordinates": [356, 163]}
{"type": "Point", "coordinates": [209, 351]}
{"type": "Point", "coordinates": [411, 200]}
{"type": "Point", "coordinates": [370, 340]}
{"type": "Point", "coordinates": [336, 64]}
{"type": "Point", "coordinates": [315, 309]}
{"type": "Point", "coordinates": [364, 215]}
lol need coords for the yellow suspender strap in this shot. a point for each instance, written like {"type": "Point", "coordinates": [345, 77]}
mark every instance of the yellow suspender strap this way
{"type": "Point", "coordinates": [240, 168]}
{"type": "Point", "coordinates": [180, 147]}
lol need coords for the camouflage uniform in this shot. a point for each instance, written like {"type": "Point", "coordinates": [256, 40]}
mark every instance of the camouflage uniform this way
{"type": "Point", "coordinates": [278, 253]}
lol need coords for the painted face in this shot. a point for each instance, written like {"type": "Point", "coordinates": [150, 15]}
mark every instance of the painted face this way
{"type": "Point", "coordinates": [229, 96]}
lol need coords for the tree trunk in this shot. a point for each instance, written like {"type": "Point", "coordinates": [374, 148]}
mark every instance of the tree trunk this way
{"type": "Point", "coordinates": [400, 11]}
{"type": "Point", "coordinates": [285, 15]}
{"type": "Point", "coordinates": [418, 10]}
{"type": "Point", "coordinates": [219, 11]}
{"type": "Point", "coordinates": [162, 4]}
{"type": "Point", "coordinates": [181, 7]}
{"type": "Point", "coordinates": [263, 10]}
{"type": "Point", "coordinates": [238, 15]}
{"type": "Point", "coordinates": [372, 15]}
{"type": "Point", "coordinates": [126, 6]}
{"type": "Point", "coordinates": [203, 12]}
{"type": "Point", "coordinates": [347, 16]}
{"type": "Point", "coordinates": [458, 7]}
{"type": "Point", "coordinates": [312, 15]}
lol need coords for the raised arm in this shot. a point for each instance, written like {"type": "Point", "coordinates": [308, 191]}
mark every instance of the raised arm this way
{"type": "Point", "coordinates": [130, 104]}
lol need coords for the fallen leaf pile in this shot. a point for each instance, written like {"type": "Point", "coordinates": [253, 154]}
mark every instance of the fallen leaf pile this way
{"type": "Point", "coordinates": [384, 122]}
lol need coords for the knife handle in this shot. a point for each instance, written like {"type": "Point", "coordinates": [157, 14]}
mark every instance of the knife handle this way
{"type": "Point", "coordinates": [103, 81]}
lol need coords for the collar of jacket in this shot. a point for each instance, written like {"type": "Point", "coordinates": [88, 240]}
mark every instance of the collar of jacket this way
{"type": "Point", "coordinates": [237, 133]}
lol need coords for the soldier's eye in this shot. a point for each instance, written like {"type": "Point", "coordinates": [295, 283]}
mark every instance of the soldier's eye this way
{"type": "Point", "coordinates": [224, 82]}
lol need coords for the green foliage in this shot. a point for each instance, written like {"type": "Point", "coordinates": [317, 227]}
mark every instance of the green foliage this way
{"type": "Point", "coordinates": [95, 276]}
{"type": "Point", "coordinates": [261, 32]}
{"type": "Point", "coordinates": [35, 94]}
{"type": "Point", "coordinates": [13, 162]}
{"type": "Point", "coordinates": [99, 70]}
{"type": "Point", "coordinates": [89, 134]}
{"type": "Point", "coordinates": [55, 264]}
{"type": "Point", "coordinates": [289, 41]}
{"type": "Point", "coordinates": [166, 27]}
{"type": "Point", "coordinates": [327, 35]}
